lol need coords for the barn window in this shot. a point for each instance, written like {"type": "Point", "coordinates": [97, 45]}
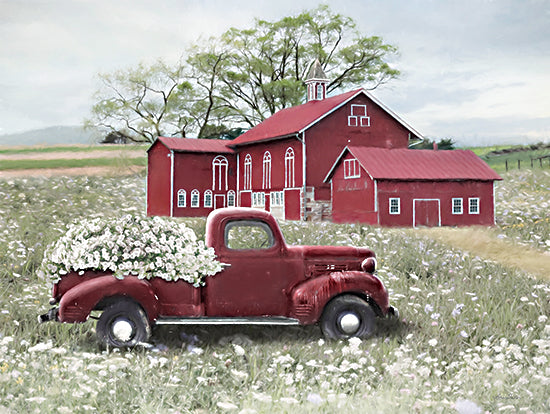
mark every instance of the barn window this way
{"type": "Point", "coordinates": [231, 198]}
{"type": "Point", "coordinates": [208, 198]}
{"type": "Point", "coordinates": [351, 169]}
{"type": "Point", "coordinates": [182, 202]}
{"type": "Point", "coordinates": [320, 91]}
{"type": "Point", "coordinates": [359, 116]}
{"type": "Point", "coordinates": [219, 173]}
{"type": "Point", "coordinates": [473, 204]}
{"type": "Point", "coordinates": [289, 168]}
{"type": "Point", "coordinates": [457, 206]}
{"type": "Point", "coordinates": [277, 199]}
{"type": "Point", "coordinates": [248, 172]}
{"type": "Point", "coordinates": [195, 198]}
{"type": "Point", "coordinates": [266, 182]}
{"type": "Point", "coordinates": [258, 199]}
{"type": "Point", "coordinates": [395, 206]}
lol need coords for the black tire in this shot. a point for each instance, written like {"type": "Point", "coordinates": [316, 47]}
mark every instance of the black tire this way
{"type": "Point", "coordinates": [123, 325]}
{"type": "Point", "coordinates": [347, 316]}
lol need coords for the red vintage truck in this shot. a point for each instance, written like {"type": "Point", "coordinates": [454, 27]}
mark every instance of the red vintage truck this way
{"type": "Point", "coordinates": [264, 282]}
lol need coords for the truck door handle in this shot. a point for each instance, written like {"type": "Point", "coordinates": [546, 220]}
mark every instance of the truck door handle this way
{"type": "Point", "coordinates": [225, 265]}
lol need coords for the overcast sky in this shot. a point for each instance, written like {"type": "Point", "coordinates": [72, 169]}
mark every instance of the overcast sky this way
{"type": "Point", "coordinates": [477, 71]}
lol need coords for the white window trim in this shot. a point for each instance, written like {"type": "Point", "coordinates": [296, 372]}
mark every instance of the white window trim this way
{"type": "Point", "coordinates": [358, 118]}
{"type": "Point", "coordinates": [348, 173]}
{"type": "Point", "coordinates": [394, 213]}
{"type": "Point", "coordinates": [208, 199]}
{"type": "Point", "coordinates": [248, 172]}
{"type": "Point", "coordinates": [289, 168]}
{"type": "Point", "coordinates": [470, 211]}
{"type": "Point", "coordinates": [266, 180]}
{"type": "Point", "coordinates": [258, 199]}
{"type": "Point", "coordinates": [277, 199]}
{"type": "Point", "coordinates": [455, 210]}
{"type": "Point", "coordinates": [195, 199]}
{"type": "Point", "coordinates": [218, 163]}
{"type": "Point", "coordinates": [231, 196]}
{"type": "Point", "coordinates": [182, 196]}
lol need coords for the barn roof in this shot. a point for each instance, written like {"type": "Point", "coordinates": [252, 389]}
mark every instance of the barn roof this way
{"type": "Point", "coordinates": [291, 121]}
{"type": "Point", "coordinates": [196, 145]}
{"type": "Point", "coordinates": [407, 164]}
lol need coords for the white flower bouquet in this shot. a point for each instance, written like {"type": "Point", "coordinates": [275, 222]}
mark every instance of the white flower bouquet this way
{"type": "Point", "coordinates": [144, 247]}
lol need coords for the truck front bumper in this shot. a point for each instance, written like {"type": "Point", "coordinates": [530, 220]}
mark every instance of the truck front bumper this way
{"type": "Point", "coordinates": [52, 315]}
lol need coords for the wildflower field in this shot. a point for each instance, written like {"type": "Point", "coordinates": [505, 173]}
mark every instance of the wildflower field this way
{"type": "Point", "coordinates": [473, 334]}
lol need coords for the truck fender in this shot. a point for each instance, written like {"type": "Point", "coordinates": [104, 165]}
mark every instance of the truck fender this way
{"type": "Point", "coordinates": [308, 299]}
{"type": "Point", "coordinates": [79, 301]}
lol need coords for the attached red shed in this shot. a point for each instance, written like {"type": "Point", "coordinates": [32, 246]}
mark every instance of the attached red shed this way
{"type": "Point", "coordinates": [190, 177]}
{"type": "Point", "coordinates": [403, 187]}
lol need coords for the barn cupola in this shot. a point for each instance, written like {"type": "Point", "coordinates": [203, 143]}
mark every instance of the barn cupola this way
{"type": "Point", "coordinates": [316, 82]}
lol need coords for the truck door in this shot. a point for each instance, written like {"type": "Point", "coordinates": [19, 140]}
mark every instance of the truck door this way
{"type": "Point", "coordinates": [255, 282]}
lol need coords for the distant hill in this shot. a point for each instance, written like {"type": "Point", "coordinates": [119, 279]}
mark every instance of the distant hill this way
{"type": "Point", "coordinates": [52, 136]}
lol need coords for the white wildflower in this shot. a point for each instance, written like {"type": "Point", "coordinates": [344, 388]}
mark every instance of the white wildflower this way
{"type": "Point", "coordinates": [432, 342]}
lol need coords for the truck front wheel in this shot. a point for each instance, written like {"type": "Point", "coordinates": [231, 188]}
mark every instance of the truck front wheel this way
{"type": "Point", "coordinates": [123, 324]}
{"type": "Point", "coordinates": [347, 316]}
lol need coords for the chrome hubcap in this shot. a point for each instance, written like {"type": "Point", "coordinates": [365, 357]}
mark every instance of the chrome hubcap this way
{"type": "Point", "coordinates": [349, 323]}
{"type": "Point", "coordinates": [122, 330]}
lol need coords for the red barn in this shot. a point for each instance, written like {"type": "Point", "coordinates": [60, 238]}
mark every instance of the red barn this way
{"type": "Point", "coordinates": [190, 177]}
{"type": "Point", "coordinates": [286, 163]}
{"type": "Point", "coordinates": [402, 187]}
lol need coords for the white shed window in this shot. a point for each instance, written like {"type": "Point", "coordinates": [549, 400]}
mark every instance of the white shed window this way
{"type": "Point", "coordinates": [248, 172]}
{"type": "Point", "coordinates": [182, 202]}
{"type": "Point", "coordinates": [258, 199]}
{"type": "Point", "coordinates": [289, 168]}
{"type": "Point", "coordinates": [208, 198]}
{"type": "Point", "coordinates": [473, 204]}
{"type": "Point", "coordinates": [277, 199]}
{"type": "Point", "coordinates": [395, 206]}
{"type": "Point", "coordinates": [231, 198]}
{"type": "Point", "coordinates": [359, 116]}
{"type": "Point", "coordinates": [219, 173]}
{"type": "Point", "coordinates": [195, 198]}
{"type": "Point", "coordinates": [457, 206]}
{"type": "Point", "coordinates": [351, 169]}
{"type": "Point", "coordinates": [266, 182]}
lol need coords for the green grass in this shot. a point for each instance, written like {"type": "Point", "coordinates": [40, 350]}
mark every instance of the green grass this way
{"type": "Point", "coordinates": [471, 331]}
{"type": "Point", "coordinates": [524, 155]}
{"type": "Point", "coordinates": [70, 148]}
{"type": "Point", "coordinates": [70, 163]}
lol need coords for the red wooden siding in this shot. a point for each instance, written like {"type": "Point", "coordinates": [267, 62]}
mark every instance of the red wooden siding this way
{"type": "Point", "coordinates": [326, 139]}
{"type": "Point", "coordinates": [158, 180]}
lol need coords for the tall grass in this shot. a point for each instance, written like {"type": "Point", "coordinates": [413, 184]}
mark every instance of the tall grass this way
{"type": "Point", "coordinates": [472, 333]}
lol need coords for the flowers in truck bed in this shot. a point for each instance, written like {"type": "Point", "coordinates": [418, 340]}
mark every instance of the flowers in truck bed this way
{"type": "Point", "coordinates": [145, 247]}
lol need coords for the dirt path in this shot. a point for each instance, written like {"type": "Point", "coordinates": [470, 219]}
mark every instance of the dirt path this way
{"type": "Point", "coordinates": [484, 244]}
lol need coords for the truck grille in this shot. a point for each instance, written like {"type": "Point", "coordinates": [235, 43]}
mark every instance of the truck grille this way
{"type": "Point", "coordinates": [303, 310]}
{"type": "Point", "coordinates": [320, 269]}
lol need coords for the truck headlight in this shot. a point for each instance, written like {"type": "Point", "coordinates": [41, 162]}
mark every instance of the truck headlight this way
{"type": "Point", "coordinates": [369, 265]}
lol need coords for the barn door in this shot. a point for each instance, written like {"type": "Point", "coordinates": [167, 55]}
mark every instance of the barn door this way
{"type": "Point", "coordinates": [219, 201]}
{"type": "Point", "coordinates": [293, 199]}
{"type": "Point", "coordinates": [427, 213]}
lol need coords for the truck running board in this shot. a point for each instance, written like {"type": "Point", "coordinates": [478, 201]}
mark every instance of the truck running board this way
{"type": "Point", "coordinates": [204, 320]}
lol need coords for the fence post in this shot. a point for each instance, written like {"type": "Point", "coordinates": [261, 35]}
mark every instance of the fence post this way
{"type": "Point", "coordinates": [531, 162]}
{"type": "Point", "coordinates": [519, 164]}
{"type": "Point", "coordinates": [506, 161]}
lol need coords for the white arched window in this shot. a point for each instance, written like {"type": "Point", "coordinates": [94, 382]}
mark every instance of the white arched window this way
{"type": "Point", "coordinates": [248, 172]}
{"type": "Point", "coordinates": [266, 182]}
{"type": "Point", "coordinates": [195, 198]}
{"type": "Point", "coordinates": [182, 202]}
{"type": "Point", "coordinates": [208, 198]}
{"type": "Point", "coordinates": [231, 198]}
{"type": "Point", "coordinates": [289, 168]}
{"type": "Point", "coordinates": [219, 173]}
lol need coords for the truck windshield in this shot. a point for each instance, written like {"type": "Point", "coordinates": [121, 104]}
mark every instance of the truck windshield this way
{"type": "Point", "coordinates": [248, 235]}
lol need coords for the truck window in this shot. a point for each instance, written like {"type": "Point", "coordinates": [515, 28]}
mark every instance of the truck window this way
{"type": "Point", "coordinates": [245, 235]}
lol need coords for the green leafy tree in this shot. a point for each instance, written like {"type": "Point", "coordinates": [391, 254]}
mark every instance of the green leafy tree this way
{"type": "Point", "coordinates": [241, 77]}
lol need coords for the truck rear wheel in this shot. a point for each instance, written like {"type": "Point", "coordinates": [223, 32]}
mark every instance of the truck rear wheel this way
{"type": "Point", "coordinates": [123, 325]}
{"type": "Point", "coordinates": [347, 316]}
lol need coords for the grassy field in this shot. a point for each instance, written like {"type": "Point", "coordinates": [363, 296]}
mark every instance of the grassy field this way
{"type": "Point", "coordinates": [67, 148]}
{"type": "Point", "coordinates": [473, 333]}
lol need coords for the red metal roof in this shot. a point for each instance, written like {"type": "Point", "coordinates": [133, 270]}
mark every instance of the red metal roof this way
{"type": "Point", "coordinates": [196, 145]}
{"type": "Point", "coordinates": [291, 121]}
{"type": "Point", "coordinates": [408, 164]}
